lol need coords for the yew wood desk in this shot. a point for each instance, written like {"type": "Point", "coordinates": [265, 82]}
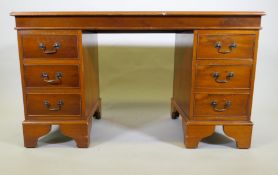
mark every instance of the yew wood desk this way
{"type": "Point", "coordinates": [214, 70]}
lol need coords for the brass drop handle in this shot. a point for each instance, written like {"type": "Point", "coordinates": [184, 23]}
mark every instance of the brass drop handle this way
{"type": "Point", "coordinates": [227, 105]}
{"type": "Point", "coordinates": [60, 103]}
{"type": "Point", "coordinates": [229, 76]}
{"type": "Point", "coordinates": [58, 76]}
{"type": "Point", "coordinates": [55, 46]}
{"type": "Point", "coordinates": [218, 46]}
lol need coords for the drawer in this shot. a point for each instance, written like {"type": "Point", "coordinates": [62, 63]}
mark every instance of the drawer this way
{"type": "Point", "coordinates": [49, 46]}
{"type": "Point", "coordinates": [223, 76]}
{"type": "Point", "coordinates": [223, 46]}
{"type": "Point", "coordinates": [51, 75]}
{"type": "Point", "coordinates": [220, 105]}
{"type": "Point", "coordinates": [53, 104]}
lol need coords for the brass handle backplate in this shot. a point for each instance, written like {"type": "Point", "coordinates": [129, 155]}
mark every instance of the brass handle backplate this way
{"type": "Point", "coordinates": [58, 76]}
{"type": "Point", "coordinates": [229, 76]}
{"type": "Point", "coordinates": [218, 46]}
{"type": "Point", "coordinates": [55, 48]}
{"type": "Point", "coordinates": [60, 103]}
{"type": "Point", "coordinates": [227, 105]}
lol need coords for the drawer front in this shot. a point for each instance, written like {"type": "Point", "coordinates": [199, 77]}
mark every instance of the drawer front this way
{"type": "Point", "coordinates": [53, 104]}
{"type": "Point", "coordinates": [49, 46]}
{"type": "Point", "coordinates": [223, 76]}
{"type": "Point", "coordinates": [221, 105]}
{"type": "Point", "coordinates": [51, 76]}
{"type": "Point", "coordinates": [219, 46]}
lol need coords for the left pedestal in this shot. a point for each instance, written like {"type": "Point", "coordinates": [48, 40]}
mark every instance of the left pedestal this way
{"type": "Point", "coordinates": [59, 82]}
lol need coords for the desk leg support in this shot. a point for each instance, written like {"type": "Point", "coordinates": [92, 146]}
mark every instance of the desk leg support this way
{"type": "Point", "coordinates": [174, 112]}
{"type": "Point", "coordinates": [32, 132]}
{"type": "Point", "coordinates": [193, 134]}
{"type": "Point", "coordinates": [80, 132]}
{"type": "Point", "coordinates": [97, 114]}
{"type": "Point", "coordinates": [241, 133]}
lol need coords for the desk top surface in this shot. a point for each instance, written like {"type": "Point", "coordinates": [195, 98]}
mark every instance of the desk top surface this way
{"type": "Point", "coordinates": [141, 13]}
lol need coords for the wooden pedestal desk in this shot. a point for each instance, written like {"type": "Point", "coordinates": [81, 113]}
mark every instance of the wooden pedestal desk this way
{"type": "Point", "coordinates": [214, 70]}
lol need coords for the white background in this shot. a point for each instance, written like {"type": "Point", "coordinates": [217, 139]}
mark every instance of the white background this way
{"type": "Point", "coordinates": [126, 155]}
